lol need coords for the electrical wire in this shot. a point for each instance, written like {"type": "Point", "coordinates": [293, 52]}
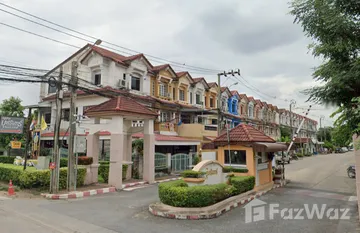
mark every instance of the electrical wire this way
{"type": "Point", "coordinates": [174, 63]}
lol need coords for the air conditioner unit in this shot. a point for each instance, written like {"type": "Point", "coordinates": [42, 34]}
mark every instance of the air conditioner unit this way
{"type": "Point", "coordinates": [122, 83]}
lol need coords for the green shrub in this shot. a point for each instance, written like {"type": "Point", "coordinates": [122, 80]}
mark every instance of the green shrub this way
{"type": "Point", "coordinates": [307, 154]}
{"type": "Point", "coordinates": [192, 174]}
{"type": "Point", "coordinates": [234, 169]}
{"type": "Point", "coordinates": [32, 178]}
{"type": "Point", "coordinates": [7, 159]}
{"type": "Point", "coordinates": [242, 183]}
{"type": "Point", "coordinates": [105, 168]}
{"type": "Point", "coordinates": [196, 160]}
{"type": "Point", "coordinates": [178, 194]}
{"type": "Point", "coordinates": [82, 160]}
{"type": "Point", "coordinates": [163, 170]}
{"type": "Point", "coordinates": [299, 155]}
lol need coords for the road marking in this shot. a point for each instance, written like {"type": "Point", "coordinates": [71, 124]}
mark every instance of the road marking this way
{"type": "Point", "coordinates": [353, 198]}
{"type": "Point", "coordinates": [136, 187]}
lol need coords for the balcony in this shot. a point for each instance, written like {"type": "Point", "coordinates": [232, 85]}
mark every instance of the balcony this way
{"type": "Point", "coordinates": [197, 130]}
{"type": "Point", "coordinates": [166, 127]}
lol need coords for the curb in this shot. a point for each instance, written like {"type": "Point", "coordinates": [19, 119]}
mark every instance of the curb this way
{"type": "Point", "coordinates": [218, 213]}
{"type": "Point", "coordinates": [98, 191]}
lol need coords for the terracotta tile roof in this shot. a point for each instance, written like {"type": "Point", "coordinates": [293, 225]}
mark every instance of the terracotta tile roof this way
{"type": "Point", "coordinates": [243, 133]}
{"type": "Point", "coordinates": [160, 67]}
{"type": "Point", "coordinates": [121, 104]}
{"type": "Point", "coordinates": [234, 92]}
{"type": "Point", "coordinates": [179, 74]}
{"type": "Point", "coordinates": [109, 54]}
{"type": "Point", "coordinates": [243, 96]}
{"type": "Point", "coordinates": [271, 106]}
{"type": "Point", "coordinates": [161, 137]}
{"type": "Point", "coordinates": [259, 103]}
{"type": "Point", "coordinates": [250, 98]}
{"type": "Point", "coordinates": [265, 104]}
{"type": "Point", "coordinates": [212, 84]}
{"type": "Point", "coordinates": [196, 80]}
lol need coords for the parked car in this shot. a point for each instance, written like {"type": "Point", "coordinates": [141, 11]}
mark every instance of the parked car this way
{"type": "Point", "coordinates": [339, 150]}
{"type": "Point", "coordinates": [351, 171]}
{"type": "Point", "coordinates": [344, 149]}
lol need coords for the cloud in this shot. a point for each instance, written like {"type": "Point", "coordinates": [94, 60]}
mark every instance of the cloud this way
{"type": "Point", "coordinates": [257, 36]}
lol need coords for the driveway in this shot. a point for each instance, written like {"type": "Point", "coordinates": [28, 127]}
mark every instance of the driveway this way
{"type": "Point", "coordinates": [316, 180]}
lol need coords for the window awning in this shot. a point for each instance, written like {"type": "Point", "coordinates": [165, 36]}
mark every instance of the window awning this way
{"type": "Point", "coordinates": [269, 147]}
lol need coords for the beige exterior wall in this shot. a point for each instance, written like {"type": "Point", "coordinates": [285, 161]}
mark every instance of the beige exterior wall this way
{"type": "Point", "coordinates": [195, 131]}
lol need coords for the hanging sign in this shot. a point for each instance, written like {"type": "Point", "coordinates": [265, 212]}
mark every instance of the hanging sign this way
{"type": "Point", "coordinates": [15, 145]}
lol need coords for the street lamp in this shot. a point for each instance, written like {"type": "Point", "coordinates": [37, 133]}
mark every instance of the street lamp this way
{"type": "Point", "coordinates": [234, 84]}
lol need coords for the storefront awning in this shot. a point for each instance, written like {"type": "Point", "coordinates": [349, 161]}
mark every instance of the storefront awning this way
{"type": "Point", "coordinates": [269, 147]}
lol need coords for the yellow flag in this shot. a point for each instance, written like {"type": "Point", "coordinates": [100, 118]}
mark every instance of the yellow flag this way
{"type": "Point", "coordinates": [43, 123]}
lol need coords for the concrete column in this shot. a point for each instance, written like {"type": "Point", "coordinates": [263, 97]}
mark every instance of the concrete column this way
{"type": "Point", "coordinates": [356, 142]}
{"type": "Point", "coordinates": [168, 158]}
{"type": "Point", "coordinates": [116, 158]}
{"type": "Point", "coordinates": [128, 154]}
{"type": "Point", "coordinates": [92, 150]}
{"type": "Point", "coordinates": [116, 152]}
{"type": "Point", "coordinates": [149, 151]}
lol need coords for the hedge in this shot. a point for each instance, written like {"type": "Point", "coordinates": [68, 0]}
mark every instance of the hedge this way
{"type": "Point", "coordinates": [234, 169]}
{"type": "Point", "coordinates": [178, 194]}
{"type": "Point", "coordinates": [32, 178]}
{"type": "Point", "coordinates": [105, 168]}
{"type": "Point", "coordinates": [192, 174]}
{"type": "Point", "coordinates": [82, 160]}
{"type": "Point", "coordinates": [7, 159]}
{"type": "Point", "coordinates": [242, 183]}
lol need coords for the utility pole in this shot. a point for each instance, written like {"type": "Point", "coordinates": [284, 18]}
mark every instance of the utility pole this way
{"type": "Point", "coordinates": [54, 187]}
{"type": "Point", "coordinates": [28, 137]}
{"type": "Point", "coordinates": [292, 102]}
{"type": "Point", "coordinates": [321, 130]}
{"type": "Point", "coordinates": [232, 72]}
{"type": "Point", "coordinates": [72, 125]}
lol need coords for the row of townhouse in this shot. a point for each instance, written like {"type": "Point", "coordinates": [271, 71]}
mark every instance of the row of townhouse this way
{"type": "Point", "coordinates": [187, 106]}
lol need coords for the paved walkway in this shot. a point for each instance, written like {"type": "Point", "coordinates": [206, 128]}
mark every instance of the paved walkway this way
{"type": "Point", "coordinates": [317, 180]}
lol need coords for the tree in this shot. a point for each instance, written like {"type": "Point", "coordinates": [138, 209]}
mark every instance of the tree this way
{"type": "Point", "coordinates": [342, 135]}
{"type": "Point", "coordinates": [324, 134]}
{"type": "Point", "coordinates": [334, 26]}
{"type": "Point", "coordinates": [12, 107]}
{"type": "Point", "coordinates": [285, 132]}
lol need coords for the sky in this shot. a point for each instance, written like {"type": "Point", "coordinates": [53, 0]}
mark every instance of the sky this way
{"type": "Point", "coordinates": [258, 37]}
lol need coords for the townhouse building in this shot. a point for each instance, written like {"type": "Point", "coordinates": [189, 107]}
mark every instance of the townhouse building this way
{"type": "Point", "coordinates": [187, 106]}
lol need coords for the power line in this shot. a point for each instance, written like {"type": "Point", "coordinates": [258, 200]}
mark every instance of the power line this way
{"type": "Point", "coordinates": [35, 34]}
{"type": "Point", "coordinates": [182, 65]}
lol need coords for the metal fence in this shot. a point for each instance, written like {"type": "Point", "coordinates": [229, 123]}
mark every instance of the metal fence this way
{"type": "Point", "coordinates": [160, 161]}
{"type": "Point", "coordinates": [180, 162]}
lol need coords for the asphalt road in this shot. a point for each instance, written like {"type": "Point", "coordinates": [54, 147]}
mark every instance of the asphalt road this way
{"type": "Point", "coordinates": [315, 180]}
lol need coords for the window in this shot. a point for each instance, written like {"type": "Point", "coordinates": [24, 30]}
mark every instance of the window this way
{"type": "Point", "coordinates": [66, 114]}
{"type": "Point", "coordinates": [174, 94]}
{"type": "Point", "coordinates": [237, 157]}
{"type": "Point", "coordinates": [135, 83]}
{"type": "Point", "coordinates": [200, 120]}
{"type": "Point", "coordinates": [251, 111]}
{"type": "Point", "coordinates": [234, 106]}
{"type": "Point", "coordinates": [241, 110]}
{"type": "Point", "coordinates": [47, 117]}
{"type": "Point", "coordinates": [214, 121]}
{"type": "Point", "coordinates": [198, 99]}
{"type": "Point", "coordinates": [182, 95]}
{"type": "Point", "coordinates": [212, 102]}
{"type": "Point", "coordinates": [191, 98]}
{"type": "Point", "coordinates": [262, 157]}
{"type": "Point", "coordinates": [162, 90]}
{"type": "Point", "coordinates": [51, 89]}
{"type": "Point", "coordinates": [97, 79]}
{"type": "Point", "coordinates": [153, 88]}
{"type": "Point", "coordinates": [165, 116]}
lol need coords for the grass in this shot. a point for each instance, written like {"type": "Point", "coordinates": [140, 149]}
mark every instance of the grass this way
{"type": "Point", "coordinates": [5, 165]}
{"type": "Point", "coordinates": [100, 179]}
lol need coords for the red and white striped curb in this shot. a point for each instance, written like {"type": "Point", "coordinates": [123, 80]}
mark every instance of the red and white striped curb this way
{"type": "Point", "coordinates": [79, 194]}
{"type": "Point", "coordinates": [99, 191]}
{"type": "Point", "coordinates": [217, 214]}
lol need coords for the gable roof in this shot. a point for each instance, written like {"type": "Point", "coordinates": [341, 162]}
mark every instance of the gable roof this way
{"type": "Point", "coordinates": [234, 92]}
{"type": "Point", "coordinates": [258, 102]}
{"type": "Point", "coordinates": [120, 104]}
{"type": "Point", "coordinates": [243, 133]}
{"type": "Point", "coordinates": [223, 89]}
{"type": "Point", "coordinates": [157, 69]}
{"type": "Point", "coordinates": [265, 104]}
{"type": "Point", "coordinates": [212, 84]}
{"type": "Point", "coordinates": [250, 98]}
{"type": "Point", "coordinates": [243, 96]}
{"type": "Point", "coordinates": [185, 73]}
{"type": "Point", "coordinates": [201, 79]}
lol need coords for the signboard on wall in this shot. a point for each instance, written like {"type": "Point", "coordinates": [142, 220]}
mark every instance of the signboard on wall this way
{"type": "Point", "coordinates": [80, 144]}
{"type": "Point", "coordinates": [15, 145]}
{"type": "Point", "coordinates": [13, 125]}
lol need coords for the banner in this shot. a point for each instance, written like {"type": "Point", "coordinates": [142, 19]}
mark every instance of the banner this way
{"type": "Point", "coordinates": [14, 125]}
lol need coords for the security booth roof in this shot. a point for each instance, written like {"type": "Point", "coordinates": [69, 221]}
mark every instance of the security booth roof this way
{"type": "Point", "coordinates": [269, 147]}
